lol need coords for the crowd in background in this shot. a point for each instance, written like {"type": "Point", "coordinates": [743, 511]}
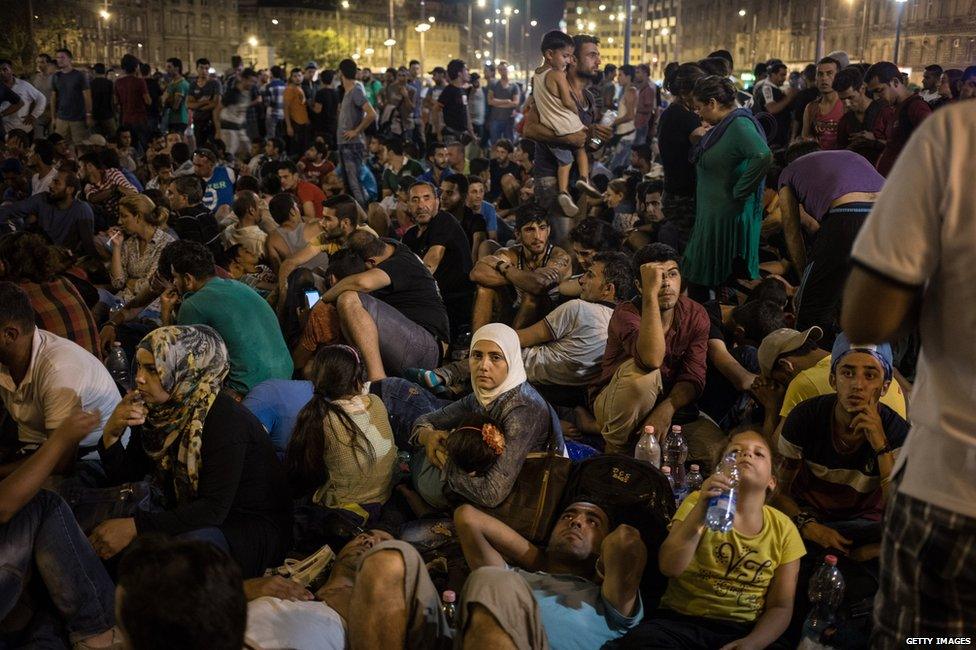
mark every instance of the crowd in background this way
{"type": "Point", "coordinates": [288, 357]}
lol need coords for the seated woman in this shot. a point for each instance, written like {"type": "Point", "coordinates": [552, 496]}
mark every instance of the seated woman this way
{"type": "Point", "coordinates": [41, 543]}
{"type": "Point", "coordinates": [342, 446]}
{"type": "Point", "coordinates": [135, 259]}
{"type": "Point", "coordinates": [501, 393]}
{"type": "Point", "coordinates": [734, 589]}
{"type": "Point", "coordinates": [210, 458]}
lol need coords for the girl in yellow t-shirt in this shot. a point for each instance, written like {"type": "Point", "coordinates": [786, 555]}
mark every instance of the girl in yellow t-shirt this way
{"type": "Point", "coordinates": [732, 590]}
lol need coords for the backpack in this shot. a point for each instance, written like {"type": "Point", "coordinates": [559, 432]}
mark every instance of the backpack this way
{"type": "Point", "coordinates": [637, 494]}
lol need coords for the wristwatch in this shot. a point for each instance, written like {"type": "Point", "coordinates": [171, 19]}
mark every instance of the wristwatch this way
{"type": "Point", "coordinates": [884, 450]}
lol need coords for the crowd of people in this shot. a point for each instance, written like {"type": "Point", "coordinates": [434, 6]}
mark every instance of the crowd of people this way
{"type": "Point", "coordinates": [282, 352]}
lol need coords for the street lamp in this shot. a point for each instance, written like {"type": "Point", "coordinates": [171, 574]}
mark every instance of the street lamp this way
{"type": "Point", "coordinates": [533, 23]}
{"type": "Point", "coordinates": [274, 21]}
{"type": "Point", "coordinates": [390, 42]}
{"type": "Point", "coordinates": [252, 41]}
{"type": "Point", "coordinates": [742, 13]}
{"type": "Point", "coordinates": [345, 4]}
{"type": "Point", "coordinates": [901, 10]}
{"type": "Point", "coordinates": [431, 19]}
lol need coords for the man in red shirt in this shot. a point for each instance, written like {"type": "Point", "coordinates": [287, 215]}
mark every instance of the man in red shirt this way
{"type": "Point", "coordinates": [654, 362]}
{"type": "Point", "coordinates": [885, 82]}
{"type": "Point", "coordinates": [132, 96]}
{"type": "Point", "coordinates": [310, 197]}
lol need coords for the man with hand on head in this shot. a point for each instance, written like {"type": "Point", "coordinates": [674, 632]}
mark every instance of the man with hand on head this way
{"type": "Point", "coordinates": [838, 451]}
{"type": "Point", "coordinates": [580, 591]}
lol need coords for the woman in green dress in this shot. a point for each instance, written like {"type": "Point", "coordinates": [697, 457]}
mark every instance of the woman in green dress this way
{"type": "Point", "coordinates": [730, 165]}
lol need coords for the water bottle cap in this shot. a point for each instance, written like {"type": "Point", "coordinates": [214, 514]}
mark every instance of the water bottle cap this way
{"type": "Point", "coordinates": [449, 596]}
{"type": "Point", "coordinates": [649, 429]}
{"type": "Point", "coordinates": [676, 428]}
{"type": "Point", "coordinates": [695, 467]}
{"type": "Point", "coordinates": [831, 560]}
{"type": "Point", "coordinates": [116, 344]}
{"type": "Point", "coordinates": [666, 469]}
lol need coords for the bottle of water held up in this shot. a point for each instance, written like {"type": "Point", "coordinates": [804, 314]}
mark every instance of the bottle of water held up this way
{"type": "Point", "coordinates": [118, 365]}
{"type": "Point", "coordinates": [449, 608]}
{"type": "Point", "coordinates": [826, 592]}
{"type": "Point", "coordinates": [595, 142]}
{"type": "Point", "coordinates": [721, 509]}
{"type": "Point", "coordinates": [668, 475]}
{"type": "Point", "coordinates": [648, 448]}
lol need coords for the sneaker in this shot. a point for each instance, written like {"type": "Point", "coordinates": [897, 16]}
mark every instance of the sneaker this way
{"type": "Point", "coordinates": [426, 378]}
{"type": "Point", "coordinates": [588, 189]}
{"type": "Point", "coordinates": [568, 206]}
{"type": "Point", "coordinates": [304, 572]}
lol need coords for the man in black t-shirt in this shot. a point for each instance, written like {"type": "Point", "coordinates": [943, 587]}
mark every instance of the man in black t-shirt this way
{"type": "Point", "coordinates": [202, 100]}
{"type": "Point", "coordinates": [453, 103]}
{"type": "Point", "coordinates": [392, 312]}
{"type": "Point", "coordinates": [453, 196]}
{"type": "Point", "coordinates": [102, 91]}
{"type": "Point", "coordinates": [501, 164]}
{"type": "Point", "coordinates": [325, 109]}
{"type": "Point", "coordinates": [438, 239]}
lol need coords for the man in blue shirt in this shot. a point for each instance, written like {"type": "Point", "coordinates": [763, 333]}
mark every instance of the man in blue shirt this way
{"type": "Point", "coordinates": [219, 180]}
{"type": "Point", "coordinates": [521, 594]}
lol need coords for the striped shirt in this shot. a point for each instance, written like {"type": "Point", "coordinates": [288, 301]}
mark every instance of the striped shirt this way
{"type": "Point", "coordinates": [835, 485]}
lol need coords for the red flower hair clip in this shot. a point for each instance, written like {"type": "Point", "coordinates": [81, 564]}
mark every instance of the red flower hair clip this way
{"type": "Point", "coordinates": [494, 438]}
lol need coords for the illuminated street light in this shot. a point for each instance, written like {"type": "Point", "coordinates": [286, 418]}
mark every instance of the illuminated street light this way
{"type": "Point", "coordinates": [431, 19]}
{"type": "Point", "coordinates": [252, 41]}
{"type": "Point", "coordinates": [665, 31]}
{"type": "Point", "coordinates": [481, 4]}
{"type": "Point", "coordinates": [533, 23]}
{"type": "Point", "coordinates": [612, 17]}
{"type": "Point", "coordinates": [742, 12]}
{"type": "Point", "coordinates": [355, 56]}
{"type": "Point", "coordinates": [369, 51]}
{"type": "Point", "coordinates": [487, 21]}
{"type": "Point", "coordinates": [422, 27]}
{"type": "Point", "coordinates": [508, 10]}
{"type": "Point", "coordinates": [602, 7]}
{"type": "Point", "coordinates": [390, 42]}
{"type": "Point", "coordinates": [591, 25]}
{"type": "Point", "coordinates": [345, 4]}
{"type": "Point", "coordinates": [104, 14]}
{"type": "Point", "coordinates": [504, 21]}
{"type": "Point", "coordinates": [515, 11]}
{"type": "Point", "coordinates": [490, 34]}
{"type": "Point", "coordinates": [274, 21]}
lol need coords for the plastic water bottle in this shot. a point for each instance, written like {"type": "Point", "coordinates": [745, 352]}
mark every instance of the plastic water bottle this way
{"type": "Point", "coordinates": [721, 509]}
{"type": "Point", "coordinates": [449, 608]}
{"type": "Point", "coordinates": [648, 448]}
{"type": "Point", "coordinates": [826, 592]}
{"type": "Point", "coordinates": [676, 453]}
{"type": "Point", "coordinates": [694, 479]}
{"type": "Point", "coordinates": [118, 365]}
{"type": "Point", "coordinates": [667, 473]}
{"type": "Point", "coordinates": [595, 142]}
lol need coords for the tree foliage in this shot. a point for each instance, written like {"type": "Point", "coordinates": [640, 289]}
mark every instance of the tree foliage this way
{"type": "Point", "coordinates": [54, 27]}
{"type": "Point", "coordinates": [324, 46]}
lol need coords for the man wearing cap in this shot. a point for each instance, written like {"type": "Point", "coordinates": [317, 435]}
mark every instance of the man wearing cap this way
{"type": "Point", "coordinates": [794, 369]}
{"type": "Point", "coordinates": [838, 451]}
{"type": "Point", "coordinates": [580, 591]}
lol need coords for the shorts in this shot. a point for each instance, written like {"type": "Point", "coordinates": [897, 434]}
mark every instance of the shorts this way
{"type": "Point", "coordinates": [403, 343]}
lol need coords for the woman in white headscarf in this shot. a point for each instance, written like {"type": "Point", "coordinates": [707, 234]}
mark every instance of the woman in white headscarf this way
{"type": "Point", "coordinates": [501, 393]}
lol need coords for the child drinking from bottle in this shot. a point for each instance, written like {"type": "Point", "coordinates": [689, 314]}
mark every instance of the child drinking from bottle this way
{"type": "Point", "coordinates": [729, 590]}
{"type": "Point", "coordinates": [558, 111]}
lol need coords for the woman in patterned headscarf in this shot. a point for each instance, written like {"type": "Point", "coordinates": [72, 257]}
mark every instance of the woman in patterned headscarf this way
{"type": "Point", "coordinates": [210, 459]}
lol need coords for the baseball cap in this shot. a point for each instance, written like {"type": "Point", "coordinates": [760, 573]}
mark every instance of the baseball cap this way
{"type": "Point", "coordinates": [843, 347]}
{"type": "Point", "coordinates": [94, 140]}
{"type": "Point", "coordinates": [783, 340]}
{"type": "Point", "coordinates": [438, 69]}
{"type": "Point", "coordinates": [311, 66]}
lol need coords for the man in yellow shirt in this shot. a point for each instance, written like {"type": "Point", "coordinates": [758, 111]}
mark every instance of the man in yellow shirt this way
{"type": "Point", "coordinates": [794, 369]}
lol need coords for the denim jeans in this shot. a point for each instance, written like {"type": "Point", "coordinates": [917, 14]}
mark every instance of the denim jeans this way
{"type": "Point", "coordinates": [405, 401]}
{"type": "Point", "coordinates": [44, 534]}
{"type": "Point", "coordinates": [498, 129]}
{"type": "Point", "coordinates": [351, 156]}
